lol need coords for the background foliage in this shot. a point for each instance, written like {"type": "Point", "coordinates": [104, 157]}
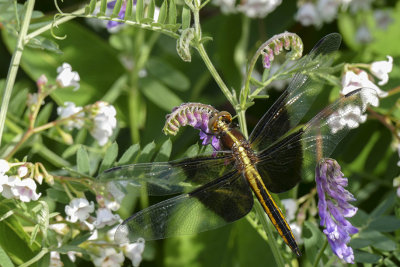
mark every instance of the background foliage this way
{"type": "Point", "coordinates": [106, 65]}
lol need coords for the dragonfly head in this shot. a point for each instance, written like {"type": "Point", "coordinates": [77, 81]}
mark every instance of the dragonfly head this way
{"type": "Point", "coordinates": [219, 122]}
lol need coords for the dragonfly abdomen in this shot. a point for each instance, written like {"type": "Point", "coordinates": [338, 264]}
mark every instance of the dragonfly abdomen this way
{"type": "Point", "coordinates": [270, 207]}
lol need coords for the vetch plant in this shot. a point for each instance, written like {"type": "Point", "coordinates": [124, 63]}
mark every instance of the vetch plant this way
{"type": "Point", "coordinates": [61, 148]}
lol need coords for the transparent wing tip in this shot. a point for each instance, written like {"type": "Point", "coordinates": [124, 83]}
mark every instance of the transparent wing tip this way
{"type": "Point", "coordinates": [122, 234]}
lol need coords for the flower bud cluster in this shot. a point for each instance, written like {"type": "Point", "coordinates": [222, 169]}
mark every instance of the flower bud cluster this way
{"type": "Point", "coordinates": [196, 115]}
{"type": "Point", "coordinates": [275, 46]}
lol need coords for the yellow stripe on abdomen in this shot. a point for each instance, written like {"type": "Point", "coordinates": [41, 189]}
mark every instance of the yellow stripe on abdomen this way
{"type": "Point", "coordinates": [270, 207]}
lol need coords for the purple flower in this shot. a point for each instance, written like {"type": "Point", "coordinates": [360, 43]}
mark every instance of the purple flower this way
{"type": "Point", "coordinates": [121, 14]}
{"type": "Point", "coordinates": [196, 115]}
{"type": "Point", "coordinates": [333, 208]}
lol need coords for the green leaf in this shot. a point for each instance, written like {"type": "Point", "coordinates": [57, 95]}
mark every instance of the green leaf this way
{"type": "Point", "coordinates": [139, 10]}
{"type": "Point", "coordinates": [117, 8]}
{"type": "Point", "coordinates": [34, 234]}
{"type": "Point", "coordinates": [82, 160]}
{"type": "Point", "coordinates": [92, 87]}
{"type": "Point", "coordinates": [159, 94]}
{"type": "Point", "coordinates": [385, 224]}
{"type": "Point", "coordinates": [163, 13]}
{"type": "Point", "coordinates": [57, 195]}
{"type": "Point", "coordinates": [387, 204]}
{"type": "Point", "coordinates": [67, 248]}
{"type": "Point", "coordinates": [313, 240]}
{"type": "Point", "coordinates": [128, 10]}
{"type": "Point", "coordinates": [365, 257]}
{"type": "Point", "coordinates": [40, 42]}
{"type": "Point", "coordinates": [165, 152]}
{"type": "Point", "coordinates": [43, 218]}
{"type": "Point", "coordinates": [147, 153]}
{"type": "Point", "coordinates": [172, 12]}
{"type": "Point", "coordinates": [109, 157]}
{"type": "Point", "coordinates": [44, 114]}
{"type": "Point", "coordinates": [374, 239]}
{"type": "Point", "coordinates": [186, 18]}
{"type": "Point", "coordinates": [129, 155]}
{"type": "Point", "coordinates": [151, 9]}
{"type": "Point", "coordinates": [4, 259]}
{"type": "Point", "coordinates": [18, 101]}
{"type": "Point", "coordinates": [169, 75]}
{"type": "Point", "coordinates": [103, 8]}
{"type": "Point", "coordinates": [92, 6]}
{"type": "Point", "coordinates": [192, 151]}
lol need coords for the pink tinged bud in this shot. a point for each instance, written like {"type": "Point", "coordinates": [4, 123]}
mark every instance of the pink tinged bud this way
{"type": "Point", "coordinates": [42, 81]}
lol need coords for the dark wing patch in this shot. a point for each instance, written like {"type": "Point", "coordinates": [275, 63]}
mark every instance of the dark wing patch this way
{"type": "Point", "coordinates": [213, 205]}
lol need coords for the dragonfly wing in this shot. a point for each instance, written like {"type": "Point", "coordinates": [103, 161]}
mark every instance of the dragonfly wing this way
{"type": "Point", "coordinates": [165, 178]}
{"type": "Point", "coordinates": [213, 205]}
{"type": "Point", "coordinates": [295, 101]}
{"type": "Point", "coordinates": [284, 163]}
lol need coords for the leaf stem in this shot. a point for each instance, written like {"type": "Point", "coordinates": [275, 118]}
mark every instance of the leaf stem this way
{"type": "Point", "coordinates": [14, 65]}
{"type": "Point", "coordinates": [320, 253]}
{"type": "Point", "coordinates": [271, 240]}
{"type": "Point", "coordinates": [36, 258]}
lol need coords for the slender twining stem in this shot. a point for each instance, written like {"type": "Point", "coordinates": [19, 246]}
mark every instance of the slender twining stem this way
{"type": "Point", "coordinates": [54, 23]}
{"type": "Point", "coordinates": [271, 240]}
{"type": "Point", "coordinates": [320, 253]}
{"type": "Point", "coordinates": [14, 65]}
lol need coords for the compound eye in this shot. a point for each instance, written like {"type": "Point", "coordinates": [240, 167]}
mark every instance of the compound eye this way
{"type": "Point", "coordinates": [226, 117]}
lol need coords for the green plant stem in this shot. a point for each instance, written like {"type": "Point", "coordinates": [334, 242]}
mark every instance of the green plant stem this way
{"type": "Point", "coordinates": [214, 73]}
{"type": "Point", "coordinates": [271, 240]}
{"type": "Point", "coordinates": [320, 253]}
{"type": "Point", "coordinates": [43, 252]}
{"type": "Point", "coordinates": [14, 65]}
{"type": "Point", "coordinates": [54, 23]}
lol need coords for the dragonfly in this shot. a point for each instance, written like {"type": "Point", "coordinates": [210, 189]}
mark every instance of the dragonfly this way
{"type": "Point", "coordinates": [214, 190]}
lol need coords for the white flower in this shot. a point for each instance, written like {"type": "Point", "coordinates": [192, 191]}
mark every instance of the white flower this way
{"type": "Point", "coordinates": [360, 5]}
{"type": "Point", "coordinates": [328, 9]}
{"type": "Point", "coordinates": [94, 236]}
{"type": "Point", "coordinates": [4, 166]}
{"type": "Point", "coordinates": [308, 15]}
{"type": "Point", "coordinates": [382, 18]}
{"type": "Point", "coordinates": [22, 171]}
{"type": "Point", "coordinates": [381, 69]}
{"type": "Point", "coordinates": [258, 8]}
{"type": "Point", "coordinates": [104, 123]}
{"type": "Point", "coordinates": [134, 251]}
{"type": "Point", "coordinates": [352, 81]}
{"type": "Point", "coordinates": [33, 99]}
{"type": "Point", "coordinates": [59, 228]}
{"type": "Point", "coordinates": [291, 207]}
{"type": "Point", "coordinates": [350, 116]}
{"type": "Point", "coordinates": [66, 77]}
{"type": "Point", "coordinates": [296, 229]}
{"type": "Point", "coordinates": [55, 260]}
{"type": "Point", "coordinates": [7, 183]}
{"type": "Point", "coordinates": [108, 258]}
{"type": "Point", "coordinates": [105, 217]}
{"type": "Point", "coordinates": [363, 35]}
{"type": "Point", "coordinates": [25, 190]}
{"type": "Point", "coordinates": [78, 209]}
{"type": "Point", "coordinates": [68, 110]}
{"type": "Point", "coordinates": [398, 163]}
{"type": "Point", "coordinates": [116, 195]}
{"type": "Point", "coordinates": [227, 6]}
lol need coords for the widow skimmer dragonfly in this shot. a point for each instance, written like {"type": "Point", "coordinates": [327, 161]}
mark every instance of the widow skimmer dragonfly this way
{"type": "Point", "coordinates": [218, 189]}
